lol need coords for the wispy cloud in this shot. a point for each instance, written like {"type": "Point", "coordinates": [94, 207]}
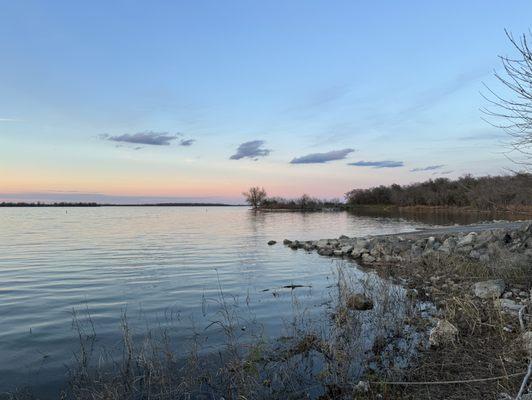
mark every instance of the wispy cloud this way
{"type": "Point", "coordinates": [9, 120]}
{"type": "Point", "coordinates": [425, 100]}
{"type": "Point", "coordinates": [150, 138]}
{"type": "Point", "coordinates": [252, 149]}
{"type": "Point", "coordinates": [327, 95]}
{"type": "Point", "coordinates": [319, 100]}
{"type": "Point", "coordinates": [186, 142]}
{"type": "Point", "coordinates": [378, 164]}
{"type": "Point", "coordinates": [484, 136]}
{"type": "Point", "coordinates": [320, 158]}
{"type": "Point", "coordinates": [428, 168]}
{"type": "Point", "coordinates": [435, 95]}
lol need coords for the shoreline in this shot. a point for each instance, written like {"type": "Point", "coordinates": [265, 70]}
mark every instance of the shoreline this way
{"type": "Point", "coordinates": [479, 277]}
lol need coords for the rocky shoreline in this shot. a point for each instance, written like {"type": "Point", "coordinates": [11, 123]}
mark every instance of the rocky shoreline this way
{"type": "Point", "coordinates": [473, 274]}
{"type": "Point", "coordinates": [482, 246]}
{"type": "Point", "coordinates": [512, 243]}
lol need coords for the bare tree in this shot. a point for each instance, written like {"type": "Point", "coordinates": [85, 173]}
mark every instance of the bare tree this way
{"type": "Point", "coordinates": [255, 196]}
{"type": "Point", "coordinates": [513, 111]}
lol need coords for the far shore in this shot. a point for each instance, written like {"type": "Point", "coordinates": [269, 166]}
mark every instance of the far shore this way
{"type": "Point", "coordinates": [69, 204]}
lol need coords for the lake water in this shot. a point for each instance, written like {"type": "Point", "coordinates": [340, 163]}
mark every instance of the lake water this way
{"type": "Point", "coordinates": [152, 262]}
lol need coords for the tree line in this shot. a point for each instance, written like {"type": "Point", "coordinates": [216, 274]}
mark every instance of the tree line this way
{"type": "Point", "coordinates": [483, 193]}
{"type": "Point", "coordinates": [493, 193]}
{"type": "Point", "coordinates": [257, 198]}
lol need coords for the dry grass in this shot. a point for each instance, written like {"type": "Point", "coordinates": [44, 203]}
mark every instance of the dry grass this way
{"type": "Point", "coordinates": [487, 344]}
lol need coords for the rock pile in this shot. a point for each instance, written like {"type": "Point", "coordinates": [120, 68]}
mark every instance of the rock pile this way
{"type": "Point", "coordinates": [481, 246]}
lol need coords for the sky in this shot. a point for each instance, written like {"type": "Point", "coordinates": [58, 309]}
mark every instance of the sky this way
{"type": "Point", "coordinates": [199, 100]}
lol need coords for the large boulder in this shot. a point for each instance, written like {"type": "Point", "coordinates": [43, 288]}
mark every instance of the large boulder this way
{"type": "Point", "coordinates": [322, 243]}
{"type": "Point", "coordinates": [489, 289]}
{"type": "Point", "coordinates": [367, 258]}
{"type": "Point", "coordinates": [359, 248]}
{"type": "Point", "coordinates": [467, 240]}
{"type": "Point", "coordinates": [346, 249]}
{"type": "Point", "coordinates": [443, 333]}
{"type": "Point", "coordinates": [360, 302]}
{"type": "Point", "coordinates": [325, 251]}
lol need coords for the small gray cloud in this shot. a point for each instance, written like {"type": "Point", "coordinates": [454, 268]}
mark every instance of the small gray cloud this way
{"type": "Point", "coordinates": [186, 142]}
{"type": "Point", "coordinates": [147, 137]}
{"type": "Point", "coordinates": [378, 164]}
{"type": "Point", "coordinates": [428, 168]}
{"type": "Point", "coordinates": [320, 158]}
{"type": "Point", "coordinates": [252, 149]}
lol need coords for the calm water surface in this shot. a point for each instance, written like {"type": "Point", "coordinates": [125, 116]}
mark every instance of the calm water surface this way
{"type": "Point", "coordinates": [151, 261]}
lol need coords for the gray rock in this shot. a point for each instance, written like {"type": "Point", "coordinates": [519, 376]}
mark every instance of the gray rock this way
{"type": "Point", "coordinates": [448, 245]}
{"type": "Point", "coordinates": [443, 333]}
{"type": "Point", "coordinates": [527, 228]}
{"type": "Point", "coordinates": [368, 258]}
{"type": "Point", "coordinates": [508, 306]}
{"type": "Point", "coordinates": [359, 302]}
{"type": "Point", "coordinates": [325, 251]}
{"type": "Point", "coordinates": [347, 249]}
{"type": "Point", "coordinates": [489, 289]}
{"type": "Point", "coordinates": [475, 254]}
{"type": "Point", "coordinates": [271, 242]}
{"type": "Point", "coordinates": [322, 242]}
{"type": "Point", "coordinates": [294, 245]}
{"type": "Point", "coordinates": [287, 242]}
{"type": "Point", "coordinates": [358, 251]}
{"type": "Point", "coordinates": [467, 240]}
{"type": "Point", "coordinates": [416, 251]}
{"type": "Point", "coordinates": [430, 243]}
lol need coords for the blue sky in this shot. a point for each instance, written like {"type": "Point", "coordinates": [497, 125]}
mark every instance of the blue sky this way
{"type": "Point", "coordinates": [363, 93]}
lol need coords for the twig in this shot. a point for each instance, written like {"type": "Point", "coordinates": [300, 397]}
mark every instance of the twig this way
{"type": "Point", "coordinates": [521, 321]}
{"type": "Point", "coordinates": [493, 378]}
{"type": "Point", "coordinates": [525, 380]}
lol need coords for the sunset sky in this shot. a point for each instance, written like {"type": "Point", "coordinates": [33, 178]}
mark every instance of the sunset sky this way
{"type": "Point", "coordinates": [198, 100]}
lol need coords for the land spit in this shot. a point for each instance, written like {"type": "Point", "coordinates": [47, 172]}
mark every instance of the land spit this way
{"type": "Point", "coordinates": [491, 243]}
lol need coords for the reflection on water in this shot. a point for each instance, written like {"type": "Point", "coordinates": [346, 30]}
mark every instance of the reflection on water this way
{"type": "Point", "coordinates": [443, 216]}
{"type": "Point", "coordinates": [154, 262]}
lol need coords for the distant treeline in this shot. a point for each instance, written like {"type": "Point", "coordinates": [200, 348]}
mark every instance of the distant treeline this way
{"type": "Point", "coordinates": [39, 204]}
{"type": "Point", "coordinates": [510, 192]}
{"type": "Point", "coordinates": [81, 204]}
{"type": "Point", "coordinates": [303, 203]}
